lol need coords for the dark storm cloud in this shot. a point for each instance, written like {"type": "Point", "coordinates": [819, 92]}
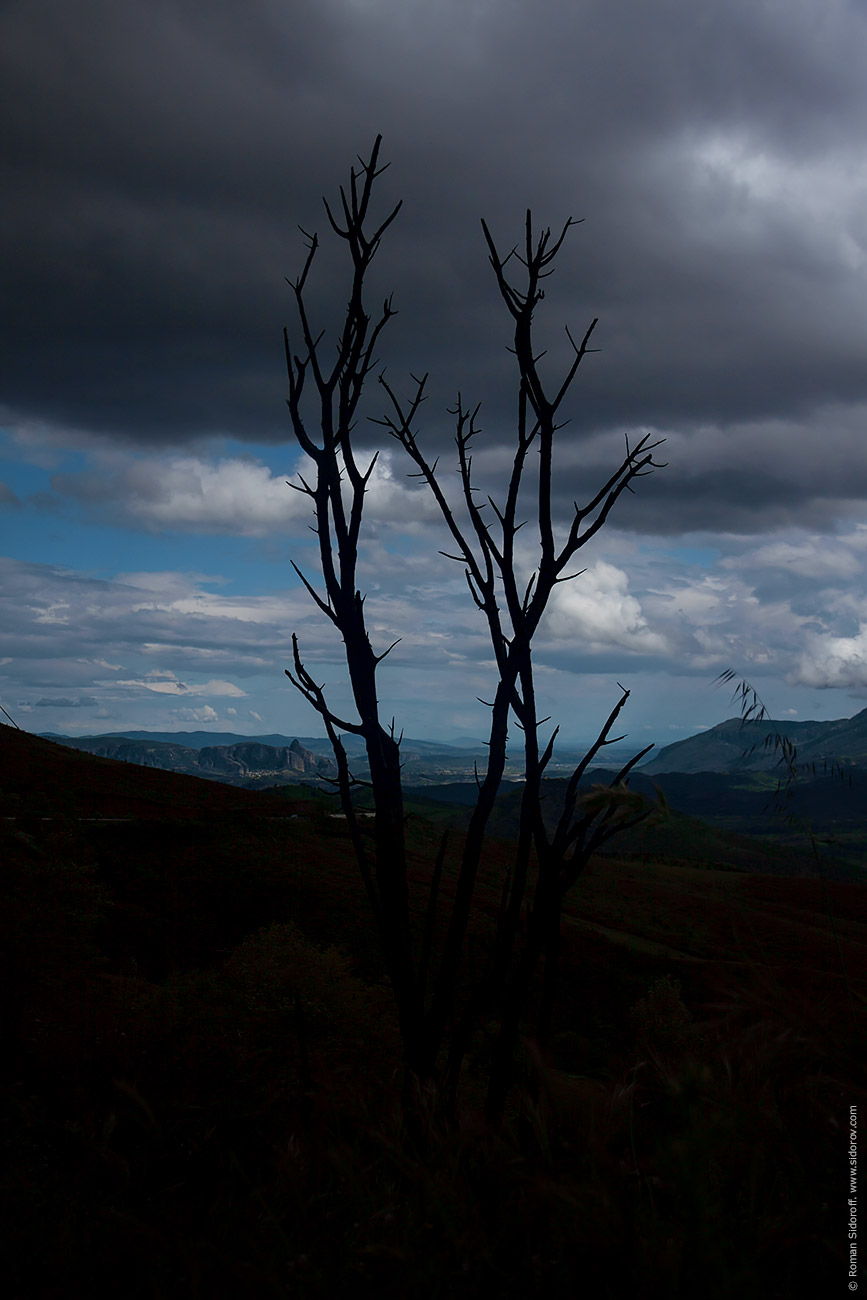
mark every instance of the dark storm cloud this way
{"type": "Point", "coordinates": [742, 478]}
{"type": "Point", "coordinates": [161, 154]}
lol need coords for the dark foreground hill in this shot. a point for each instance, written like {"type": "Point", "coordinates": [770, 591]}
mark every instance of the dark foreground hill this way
{"type": "Point", "coordinates": [41, 778]}
{"type": "Point", "coordinates": [200, 1077]}
{"type": "Point", "coordinates": [712, 819]}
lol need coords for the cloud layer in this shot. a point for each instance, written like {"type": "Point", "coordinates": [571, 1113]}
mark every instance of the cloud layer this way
{"type": "Point", "coordinates": [148, 644]}
{"type": "Point", "coordinates": [160, 157]}
{"type": "Point", "coordinates": [234, 496]}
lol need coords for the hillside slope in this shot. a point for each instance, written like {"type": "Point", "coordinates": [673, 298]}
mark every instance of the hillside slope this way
{"type": "Point", "coordinates": [42, 779]}
{"type": "Point", "coordinates": [734, 746]}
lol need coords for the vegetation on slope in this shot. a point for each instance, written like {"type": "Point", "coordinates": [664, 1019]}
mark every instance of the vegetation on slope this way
{"type": "Point", "coordinates": [200, 1089]}
{"type": "Point", "coordinates": [739, 745]}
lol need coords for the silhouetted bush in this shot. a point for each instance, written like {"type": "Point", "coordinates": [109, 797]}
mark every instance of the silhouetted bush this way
{"type": "Point", "coordinates": [662, 1023]}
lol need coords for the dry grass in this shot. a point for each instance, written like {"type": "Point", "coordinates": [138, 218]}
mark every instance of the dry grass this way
{"type": "Point", "coordinates": [201, 1095]}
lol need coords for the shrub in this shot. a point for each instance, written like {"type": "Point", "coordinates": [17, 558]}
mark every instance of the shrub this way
{"type": "Point", "coordinates": [662, 1023]}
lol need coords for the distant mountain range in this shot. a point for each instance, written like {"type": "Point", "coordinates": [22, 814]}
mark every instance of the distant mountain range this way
{"type": "Point", "coordinates": [734, 746]}
{"type": "Point", "coordinates": [703, 820]}
{"type": "Point", "coordinates": [731, 747]}
{"type": "Point", "coordinates": [241, 762]}
{"type": "Point", "coordinates": [276, 759]}
{"type": "Point", "coordinates": [262, 760]}
{"type": "Point", "coordinates": [200, 739]}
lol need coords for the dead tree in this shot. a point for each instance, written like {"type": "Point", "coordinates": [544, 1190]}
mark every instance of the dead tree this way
{"type": "Point", "coordinates": [548, 860]}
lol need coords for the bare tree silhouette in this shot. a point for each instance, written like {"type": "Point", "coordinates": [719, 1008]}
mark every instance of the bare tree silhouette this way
{"type": "Point", "coordinates": [436, 1031]}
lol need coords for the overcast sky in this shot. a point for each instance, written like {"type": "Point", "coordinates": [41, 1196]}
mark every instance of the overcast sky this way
{"type": "Point", "coordinates": [160, 157]}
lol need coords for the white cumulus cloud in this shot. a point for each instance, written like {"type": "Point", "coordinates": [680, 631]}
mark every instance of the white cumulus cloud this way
{"type": "Point", "coordinates": [204, 714]}
{"type": "Point", "coordinates": [596, 610]}
{"type": "Point", "coordinates": [834, 661]}
{"type": "Point", "coordinates": [811, 557]}
{"type": "Point", "coordinates": [164, 682]}
{"type": "Point", "coordinates": [237, 495]}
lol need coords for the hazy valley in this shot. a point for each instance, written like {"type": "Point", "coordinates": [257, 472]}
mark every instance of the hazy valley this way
{"type": "Point", "coordinates": [721, 783]}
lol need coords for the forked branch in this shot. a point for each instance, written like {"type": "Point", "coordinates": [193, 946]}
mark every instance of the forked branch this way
{"type": "Point", "coordinates": [483, 529]}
